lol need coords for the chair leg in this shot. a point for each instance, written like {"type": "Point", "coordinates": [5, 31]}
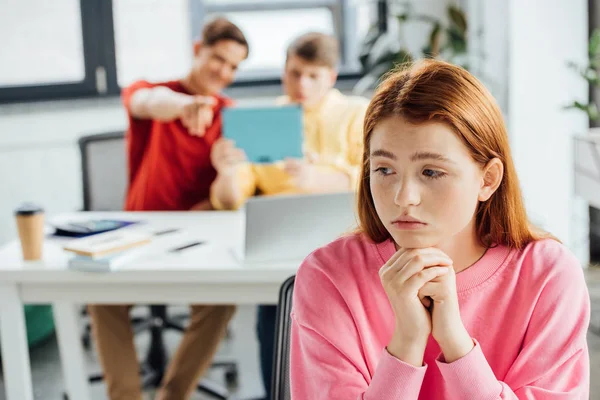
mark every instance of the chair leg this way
{"type": "Point", "coordinates": [157, 354]}
{"type": "Point", "coordinates": [151, 380]}
{"type": "Point", "coordinates": [179, 317]}
{"type": "Point", "coordinates": [231, 373]}
{"type": "Point", "coordinates": [213, 389]}
{"type": "Point", "coordinates": [156, 358]}
{"type": "Point", "coordinates": [174, 325]}
{"type": "Point", "coordinates": [142, 326]}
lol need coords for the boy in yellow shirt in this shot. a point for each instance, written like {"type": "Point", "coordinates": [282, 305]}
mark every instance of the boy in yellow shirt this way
{"type": "Point", "coordinates": [333, 136]}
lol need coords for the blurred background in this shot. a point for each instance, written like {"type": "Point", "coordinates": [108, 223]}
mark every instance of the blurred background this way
{"type": "Point", "coordinates": [64, 62]}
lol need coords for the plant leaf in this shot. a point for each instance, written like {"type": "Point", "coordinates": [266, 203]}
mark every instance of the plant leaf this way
{"type": "Point", "coordinates": [387, 58]}
{"type": "Point", "coordinates": [402, 17]}
{"type": "Point", "coordinates": [457, 40]}
{"type": "Point", "coordinates": [458, 18]}
{"type": "Point", "coordinates": [367, 46]}
{"type": "Point", "coordinates": [594, 44]}
{"type": "Point", "coordinates": [435, 38]}
{"type": "Point", "coordinates": [591, 76]}
{"type": "Point", "coordinates": [380, 49]}
{"type": "Point", "coordinates": [590, 109]}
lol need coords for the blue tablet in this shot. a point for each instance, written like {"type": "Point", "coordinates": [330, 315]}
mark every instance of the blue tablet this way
{"type": "Point", "coordinates": [267, 134]}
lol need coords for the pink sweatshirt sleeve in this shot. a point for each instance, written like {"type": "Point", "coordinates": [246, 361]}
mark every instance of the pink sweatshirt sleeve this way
{"type": "Point", "coordinates": [327, 358]}
{"type": "Point", "coordinates": [320, 371]}
{"type": "Point", "coordinates": [553, 362]}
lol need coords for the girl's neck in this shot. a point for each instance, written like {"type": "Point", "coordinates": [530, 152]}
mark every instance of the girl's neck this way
{"type": "Point", "coordinates": [465, 249]}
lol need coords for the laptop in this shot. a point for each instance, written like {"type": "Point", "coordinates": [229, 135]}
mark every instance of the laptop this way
{"type": "Point", "coordinates": [290, 227]}
{"type": "Point", "coordinates": [266, 134]}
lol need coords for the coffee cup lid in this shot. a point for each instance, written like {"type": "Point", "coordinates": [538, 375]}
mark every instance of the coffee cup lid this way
{"type": "Point", "coordinates": [28, 209]}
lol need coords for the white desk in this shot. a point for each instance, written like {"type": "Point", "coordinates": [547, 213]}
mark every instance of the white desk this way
{"type": "Point", "coordinates": [207, 274]}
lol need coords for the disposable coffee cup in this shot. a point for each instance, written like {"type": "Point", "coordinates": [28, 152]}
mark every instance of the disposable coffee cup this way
{"type": "Point", "coordinates": [30, 224]}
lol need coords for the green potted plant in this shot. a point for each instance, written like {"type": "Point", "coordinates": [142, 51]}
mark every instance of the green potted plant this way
{"type": "Point", "coordinates": [589, 72]}
{"type": "Point", "coordinates": [587, 144]}
{"type": "Point", "coordinates": [382, 51]}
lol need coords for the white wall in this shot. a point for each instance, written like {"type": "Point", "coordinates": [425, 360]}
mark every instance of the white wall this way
{"type": "Point", "coordinates": [543, 36]}
{"type": "Point", "coordinates": [39, 157]}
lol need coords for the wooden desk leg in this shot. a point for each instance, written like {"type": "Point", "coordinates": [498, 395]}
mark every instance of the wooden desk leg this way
{"type": "Point", "coordinates": [71, 351]}
{"type": "Point", "coordinates": [13, 339]}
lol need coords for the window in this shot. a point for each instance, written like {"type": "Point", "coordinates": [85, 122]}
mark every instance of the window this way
{"type": "Point", "coordinates": [270, 25]}
{"type": "Point", "coordinates": [152, 39]}
{"type": "Point", "coordinates": [75, 48]}
{"type": "Point", "coordinates": [268, 50]}
{"type": "Point", "coordinates": [40, 42]}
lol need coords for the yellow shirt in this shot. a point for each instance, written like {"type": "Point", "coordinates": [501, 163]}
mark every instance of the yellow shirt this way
{"type": "Point", "coordinates": [333, 131]}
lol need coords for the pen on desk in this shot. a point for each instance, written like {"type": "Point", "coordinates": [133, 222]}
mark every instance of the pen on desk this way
{"type": "Point", "coordinates": [185, 247]}
{"type": "Point", "coordinates": [166, 231]}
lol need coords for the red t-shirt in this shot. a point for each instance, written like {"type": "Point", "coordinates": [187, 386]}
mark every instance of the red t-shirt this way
{"type": "Point", "coordinates": [169, 169]}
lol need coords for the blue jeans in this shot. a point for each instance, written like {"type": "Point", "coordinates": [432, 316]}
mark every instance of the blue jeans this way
{"type": "Point", "coordinates": [265, 328]}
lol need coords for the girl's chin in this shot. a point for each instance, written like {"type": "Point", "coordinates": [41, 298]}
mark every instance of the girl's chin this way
{"type": "Point", "coordinates": [408, 241]}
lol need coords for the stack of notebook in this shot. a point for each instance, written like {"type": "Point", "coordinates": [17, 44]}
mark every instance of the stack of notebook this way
{"type": "Point", "coordinates": [106, 251]}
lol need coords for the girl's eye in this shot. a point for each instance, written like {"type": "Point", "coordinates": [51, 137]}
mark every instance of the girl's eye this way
{"type": "Point", "coordinates": [384, 171]}
{"type": "Point", "coordinates": [433, 174]}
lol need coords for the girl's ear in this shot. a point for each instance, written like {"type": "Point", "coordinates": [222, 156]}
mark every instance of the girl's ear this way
{"type": "Point", "coordinates": [492, 176]}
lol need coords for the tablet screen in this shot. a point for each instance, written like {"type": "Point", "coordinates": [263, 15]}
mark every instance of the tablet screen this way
{"type": "Point", "coordinates": [266, 134]}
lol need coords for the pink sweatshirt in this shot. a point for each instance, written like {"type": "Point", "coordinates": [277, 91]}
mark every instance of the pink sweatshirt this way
{"type": "Point", "coordinates": [528, 312]}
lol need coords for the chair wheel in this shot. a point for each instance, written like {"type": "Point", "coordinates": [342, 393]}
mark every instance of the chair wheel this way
{"type": "Point", "coordinates": [65, 396]}
{"type": "Point", "coordinates": [231, 378]}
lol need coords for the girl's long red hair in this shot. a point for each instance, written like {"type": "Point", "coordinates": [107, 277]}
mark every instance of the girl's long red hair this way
{"type": "Point", "coordinates": [433, 90]}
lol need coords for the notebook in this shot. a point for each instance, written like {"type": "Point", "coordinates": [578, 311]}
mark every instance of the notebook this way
{"type": "Point", "coordinates": [266, 134]}
{"type": "Point", "coordinates": [106, 263]}
{"type": "Point", "coordinates": [108, 243]}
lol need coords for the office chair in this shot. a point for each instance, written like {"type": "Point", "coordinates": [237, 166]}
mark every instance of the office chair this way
{"type": "Point", "coordinates": [104, 177]}
{"type": "Point", "coordinates": [281, 363]}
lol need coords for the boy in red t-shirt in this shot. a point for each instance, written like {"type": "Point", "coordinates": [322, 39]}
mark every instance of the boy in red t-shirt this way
{"type": "Point", "coordinates": [172, 126]}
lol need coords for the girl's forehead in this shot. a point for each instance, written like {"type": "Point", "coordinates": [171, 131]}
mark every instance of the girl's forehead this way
{"type": "Point", "coordinates": [397, 132]}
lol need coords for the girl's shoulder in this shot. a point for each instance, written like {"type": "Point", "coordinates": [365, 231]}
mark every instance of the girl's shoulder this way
{"type": "Point", "coordinates": [547, 260]}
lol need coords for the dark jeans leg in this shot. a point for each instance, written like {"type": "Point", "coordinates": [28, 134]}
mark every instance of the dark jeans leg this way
{"type": "Point", "coordinates": [266, 320]}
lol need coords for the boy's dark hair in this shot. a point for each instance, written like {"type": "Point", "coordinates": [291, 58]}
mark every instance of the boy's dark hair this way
{"type": "Point", "coordinates": [222, 29]}
{"type": "Point", "coordinates": [317, 48]}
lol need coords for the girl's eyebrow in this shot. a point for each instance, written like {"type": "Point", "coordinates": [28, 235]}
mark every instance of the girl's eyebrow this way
{"type": "Point", "coordinates": [417, 156]}
{"type": "Point", "coordinates": [383, 153]}
{"type": "Point", "coordinates": [428, 155]}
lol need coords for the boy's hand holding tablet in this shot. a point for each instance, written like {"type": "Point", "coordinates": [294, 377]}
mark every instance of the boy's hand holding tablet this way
{"type": "Point", "coordinates": [303, 171]}
{"type": "Point", "coordinates": [225, 156]}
